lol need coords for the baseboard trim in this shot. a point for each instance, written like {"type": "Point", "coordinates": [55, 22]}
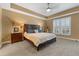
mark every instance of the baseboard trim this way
{"type": "Point", "coordinates": [69, 38]}
{"type": "Point", "coordinates": [6, 42]}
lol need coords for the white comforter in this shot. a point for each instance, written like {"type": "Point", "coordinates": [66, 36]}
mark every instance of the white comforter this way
{"type": "Point", "coordinates": [38, 38]}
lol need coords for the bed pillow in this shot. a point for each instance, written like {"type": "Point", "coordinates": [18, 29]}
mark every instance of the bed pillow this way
{"type": "Point", "coordinates": [25, 32]}
{"type": "Point", "coordinates": [36, 31]}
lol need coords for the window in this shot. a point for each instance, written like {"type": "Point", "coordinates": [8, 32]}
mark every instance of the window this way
{"type": "Point", "coordinates": [62, 26]}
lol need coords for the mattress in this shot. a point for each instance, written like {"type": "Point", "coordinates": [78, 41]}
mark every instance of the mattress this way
{"type": "Point", "coordinates": [38, 38]}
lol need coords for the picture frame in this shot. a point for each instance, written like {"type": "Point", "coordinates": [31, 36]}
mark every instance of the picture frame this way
{"type": "Point", "coordinates": [16, 29]}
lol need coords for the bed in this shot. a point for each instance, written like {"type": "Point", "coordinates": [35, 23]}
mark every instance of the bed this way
{"type": "Point", "coordinates": [38, 39]}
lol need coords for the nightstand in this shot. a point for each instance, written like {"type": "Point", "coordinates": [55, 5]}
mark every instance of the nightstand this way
{"type": "Point", "coordinates": [16, 37]}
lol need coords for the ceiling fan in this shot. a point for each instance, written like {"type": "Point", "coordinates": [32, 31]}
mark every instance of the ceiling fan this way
{"type": "Point", "coordinates": [49, 8]}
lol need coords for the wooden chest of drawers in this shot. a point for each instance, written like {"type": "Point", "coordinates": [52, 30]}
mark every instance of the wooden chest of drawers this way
{"type": "Point", "coordinates": [16, 37]}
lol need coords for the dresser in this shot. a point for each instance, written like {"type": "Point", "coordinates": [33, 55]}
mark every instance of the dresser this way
{"type": "Point", "coordinates": [16, 37]}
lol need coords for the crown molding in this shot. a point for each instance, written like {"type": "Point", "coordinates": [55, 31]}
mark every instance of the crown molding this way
{"type": "Point", "coordinates": [75, 12]}
{"type": "Point", "coordinates": [27, 11]}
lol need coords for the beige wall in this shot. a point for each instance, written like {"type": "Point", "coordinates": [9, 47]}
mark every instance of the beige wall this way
{"type": "Point", "coordinates": [74, 26]}
{"type": "Point", "coordinates": [6, 27]}
{"type": "Point", "coordinates": [48, 25]}
{"type": "Point", "coordinates": [0, 25]}
{"type": "Point", "coordinates": [10, 19]}
{"type": "Point", "coordinates": [21, 18]}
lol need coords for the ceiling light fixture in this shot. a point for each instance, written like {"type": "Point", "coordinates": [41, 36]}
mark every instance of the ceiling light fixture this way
{"type": "Point", "coordinates": [48, 9]}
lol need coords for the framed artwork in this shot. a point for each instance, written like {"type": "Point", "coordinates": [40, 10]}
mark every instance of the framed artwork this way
{"type": "Point", "coordinates": [16, 29]}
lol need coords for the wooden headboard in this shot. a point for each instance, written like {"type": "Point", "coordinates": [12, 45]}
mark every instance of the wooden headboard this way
{"type": "Point", "coordinates": [29, 28]}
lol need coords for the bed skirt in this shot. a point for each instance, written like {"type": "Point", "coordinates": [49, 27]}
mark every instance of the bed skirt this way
{"type": "Point", "coordinates": [42, 45]}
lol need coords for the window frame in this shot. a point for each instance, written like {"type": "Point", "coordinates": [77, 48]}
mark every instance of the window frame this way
{"type": "Point", "coordinates": [62, 27]}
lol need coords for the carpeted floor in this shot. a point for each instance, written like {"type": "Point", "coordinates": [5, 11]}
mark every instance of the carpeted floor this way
{"type": "Point", "coordinates": [62, 47]}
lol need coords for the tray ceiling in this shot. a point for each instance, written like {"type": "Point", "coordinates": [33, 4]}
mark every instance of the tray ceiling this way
{"type": "Point", "coordinates": [41, 7]}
